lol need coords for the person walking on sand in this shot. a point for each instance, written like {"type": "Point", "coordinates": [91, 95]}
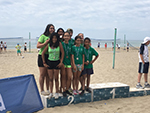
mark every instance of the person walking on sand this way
{"type": "Point", "coordinates": [1, 46]}
{"type": "Point", "coordinates": [25, 47]}
{"type": "Point", "coordinates": [127, 47]}
{"type": "Point", "coordinates": [98, 45]}
{"type": "Point", "coordinates": [5, 46]}
{"type": "Point", "coordinates": [18, 47]}
{"type": "Point", "coordinates": [143, 63]}
{"type": "Point", "coordinates": [105, 45]}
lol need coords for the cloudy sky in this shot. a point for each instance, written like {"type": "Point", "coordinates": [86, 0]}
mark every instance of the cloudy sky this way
{"type": "Point", "coordinates": [95, 18]}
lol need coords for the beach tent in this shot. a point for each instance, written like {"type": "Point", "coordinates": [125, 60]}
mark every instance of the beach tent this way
{"type": "Point", "coordinates": [19, 95]}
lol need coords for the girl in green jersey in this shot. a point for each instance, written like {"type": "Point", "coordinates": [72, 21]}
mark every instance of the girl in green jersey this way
{"type": "Point", "coordinates": [54, 62]}
{"type": "Point", "coordinates": [88, 64]}
{"type": "Point", "coordinates": [42, 42]}
{"type": "Point", "coordinates": [78, 63]}
{"type": "Point", "coordinates": [66, 79]}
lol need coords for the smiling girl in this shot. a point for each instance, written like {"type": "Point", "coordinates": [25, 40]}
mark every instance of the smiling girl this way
{"type": "Point", "coordinates": [78, 63]}
{"type": "Point", "coordinates": [54, 62]}
{"type": "Point", "coordinates": [42, 42]}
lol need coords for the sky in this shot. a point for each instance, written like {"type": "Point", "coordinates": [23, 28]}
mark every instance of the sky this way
{"type": "Point", "coordinates": [97, 19]}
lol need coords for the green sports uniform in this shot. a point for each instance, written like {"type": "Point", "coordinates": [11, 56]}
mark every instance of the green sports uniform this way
{"type": "Point", "coordinates": [54, 54]}
{"type": "Point", "coordinates": [71, 41]}
{"type": "Point", "coordinates": [78, 53]}
{"type": "Point", "coordinates": [67, 56]}
{"type": "Point", "coordinates": [42, 39]}
{"type": "Point", "coordinates": [89, 56]}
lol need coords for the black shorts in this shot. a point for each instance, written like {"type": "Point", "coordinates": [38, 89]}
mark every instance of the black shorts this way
{"type": "Point", "coordinates": [53, 64]}
{"type": "Point", "coordinates": [87, 71]}
{"type": "Point", "coordinates": [127, 47]}
{"type": "Point", "coordinates": [143, 68]}
{"type": "Point", "coordinates": [40, 61]}
{"type": "Point", "coordinates": [25, 49]}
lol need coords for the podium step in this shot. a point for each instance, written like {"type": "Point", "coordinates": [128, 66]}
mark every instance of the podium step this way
{"type": "Point", "coordinates": [106, 91]}
{"type": "Point", "coordinates": [61, 101]}
{"type": "Point", "coordinates": [139, 92]}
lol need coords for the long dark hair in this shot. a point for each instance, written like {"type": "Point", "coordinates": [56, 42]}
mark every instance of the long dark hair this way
{"type": "Point", "coordinates": [60, 29]}
{"type": "Point", "coordinates": [46, 32]}
{"type": "Point", "coordinates": [51, 40]}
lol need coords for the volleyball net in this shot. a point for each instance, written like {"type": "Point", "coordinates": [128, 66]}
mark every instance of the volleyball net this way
{"type": "Point", "coordinates": [131, 46]}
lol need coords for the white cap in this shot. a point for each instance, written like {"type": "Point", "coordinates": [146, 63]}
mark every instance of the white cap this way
{"type": "Point", "coordinates": [146, 39]}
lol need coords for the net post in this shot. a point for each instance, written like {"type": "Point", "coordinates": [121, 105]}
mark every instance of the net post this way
{"type": "Point", "coordinates": [29, 42]}
{"type": "Point", "coordinates": [114, 48]}
{"type": "Point", "coordinates": [124, 42]}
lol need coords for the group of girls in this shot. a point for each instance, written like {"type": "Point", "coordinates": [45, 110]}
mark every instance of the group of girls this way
{"type": "Point", "coordinates": [60, 53]}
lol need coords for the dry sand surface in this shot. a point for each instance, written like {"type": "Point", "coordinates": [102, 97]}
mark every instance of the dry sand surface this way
{"type": "Point", "coordinates": [125, 71]}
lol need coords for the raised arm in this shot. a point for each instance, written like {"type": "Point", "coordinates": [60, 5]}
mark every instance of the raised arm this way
{"type": "Point", "coordinates": [40, 45]}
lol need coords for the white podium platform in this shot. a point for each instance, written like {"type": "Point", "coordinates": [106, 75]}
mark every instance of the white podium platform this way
{"type": "Point", "coordinates": [102, 91]}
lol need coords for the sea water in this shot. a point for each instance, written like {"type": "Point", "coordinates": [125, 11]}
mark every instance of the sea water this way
{"type": "Point", "coordinates": [12, 42]}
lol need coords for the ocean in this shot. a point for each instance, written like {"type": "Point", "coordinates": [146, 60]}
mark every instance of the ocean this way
{"type": "Point", "coordinates": [12, 42]}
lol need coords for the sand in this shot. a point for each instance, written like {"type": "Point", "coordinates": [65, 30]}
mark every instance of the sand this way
{"type": "Point", "coordinates": [126, 67]}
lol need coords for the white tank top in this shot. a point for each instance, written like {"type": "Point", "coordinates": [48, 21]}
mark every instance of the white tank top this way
{"type": "Point", "coordinates": [1, 45]}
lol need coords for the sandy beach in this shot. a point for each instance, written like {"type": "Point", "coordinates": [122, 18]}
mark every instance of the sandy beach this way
{"type": "Point", "coordinates": [126, 71]}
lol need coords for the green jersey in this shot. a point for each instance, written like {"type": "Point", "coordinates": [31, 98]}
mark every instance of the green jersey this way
{"type": "Point", "coordinates": [54, 54]}
{"type": "Point", "coordinates": [89, 56]}
{"type": "Point", "coordinates": [42, 39]}
{"type": "Point", "coordinates": [67, 53]}
{"type": "Point", "coordinates": [78, 53]}
{"type": "Point", "coordinates": [71, 41]}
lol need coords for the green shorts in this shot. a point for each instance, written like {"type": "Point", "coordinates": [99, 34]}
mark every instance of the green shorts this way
{"type": "Point", "coordinates": [18, 51]}
{"type": "Point", "coordinates": [78, 68]}
{"type": "Point", "coordinates": [67, 66]}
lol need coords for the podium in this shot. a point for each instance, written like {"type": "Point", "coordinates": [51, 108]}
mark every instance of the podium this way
{"type": "Point", "coordinates": [103, 91]}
